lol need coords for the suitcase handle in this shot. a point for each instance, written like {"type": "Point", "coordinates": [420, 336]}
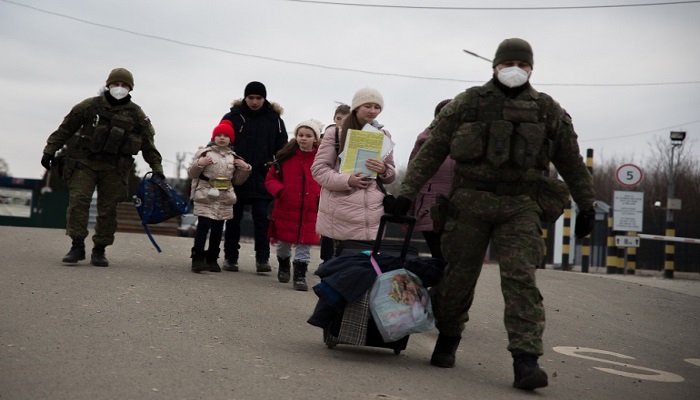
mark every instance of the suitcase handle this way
{"type": "Point", "coordinates": [399, 219]}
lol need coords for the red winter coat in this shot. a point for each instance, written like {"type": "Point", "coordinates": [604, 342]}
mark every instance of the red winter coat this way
{"type": "Point", "coordinates": [296, 200]}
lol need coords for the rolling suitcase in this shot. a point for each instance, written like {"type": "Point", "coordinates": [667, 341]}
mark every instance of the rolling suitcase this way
{"type": "Point", "coordinates": [355, 326]}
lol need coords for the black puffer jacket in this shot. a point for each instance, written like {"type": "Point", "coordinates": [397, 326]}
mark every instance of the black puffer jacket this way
{"type": "Point", "coordinates": [259, 135]}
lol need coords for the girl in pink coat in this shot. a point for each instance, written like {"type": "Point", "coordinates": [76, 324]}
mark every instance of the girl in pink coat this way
{"type": "Point", "coordinates": [351, 204]}
{"type": "Point", "coordinates": [296, 196]}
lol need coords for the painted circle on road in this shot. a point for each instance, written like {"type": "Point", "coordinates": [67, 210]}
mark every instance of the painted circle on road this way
{"type": "Point", "coordinates": [629, 175]}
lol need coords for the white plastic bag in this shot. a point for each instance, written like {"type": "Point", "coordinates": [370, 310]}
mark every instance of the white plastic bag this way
{"type": "Point", "coordinates": [400, 304]}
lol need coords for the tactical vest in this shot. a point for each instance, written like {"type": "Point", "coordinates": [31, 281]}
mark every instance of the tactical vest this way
{"type": "Point", "coordinates": [110, 135]}
{"type": "Point", "coordinates": [506, 134]}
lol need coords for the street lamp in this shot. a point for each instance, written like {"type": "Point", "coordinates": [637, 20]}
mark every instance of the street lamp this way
{"type": "Point", "coordinates": [677, 138]}
{"type": "Point", "coordinates": [471, 53]}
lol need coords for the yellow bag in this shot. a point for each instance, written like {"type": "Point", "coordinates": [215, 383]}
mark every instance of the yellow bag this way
{"type": "Point", "coordinates": [220, 183]}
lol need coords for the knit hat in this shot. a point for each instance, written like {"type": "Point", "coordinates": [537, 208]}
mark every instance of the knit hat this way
{"type": "Point", "coordinates": [514, 49]}
{"type": "Point", "coordinates": [225, 127]}
{"type": "Point", "coordinates": [121, 75]}
{"type": "Point", "coordinates": [313, 124]}
{"type": "Point", "coordinates": [255, 88]}
{"type": "Point", "coordinates": [367, 95]}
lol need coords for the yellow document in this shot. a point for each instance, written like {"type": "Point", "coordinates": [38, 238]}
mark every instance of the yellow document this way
{"type": "Point", "coordinates": [361, 146]}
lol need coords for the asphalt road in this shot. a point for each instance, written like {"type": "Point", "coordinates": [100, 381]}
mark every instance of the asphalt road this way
{"type": "Point", "coordinates": [148, 328]}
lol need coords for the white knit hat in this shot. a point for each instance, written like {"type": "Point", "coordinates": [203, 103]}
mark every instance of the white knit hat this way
{"type": "Point", "coordinates": [314, 124]}
{"type": "Point", "coordinates": [367, 95]}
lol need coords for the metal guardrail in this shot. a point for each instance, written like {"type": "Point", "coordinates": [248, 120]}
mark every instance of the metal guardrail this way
{"type": "Point", "coordinates": [668, 238]}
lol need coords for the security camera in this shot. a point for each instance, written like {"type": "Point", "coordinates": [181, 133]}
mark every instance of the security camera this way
{"type": "Point", "coordinates": [657, 204]}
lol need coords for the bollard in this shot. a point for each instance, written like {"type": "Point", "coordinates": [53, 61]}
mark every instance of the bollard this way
{"type": "Point", "coordinates": [611, 260]}
{"type": "Point", "coordinates": [669, 263]}
{"type": "Point", "coordinates": [632, 257]}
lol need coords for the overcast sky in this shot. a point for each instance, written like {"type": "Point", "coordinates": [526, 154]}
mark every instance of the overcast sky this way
{"type": "Point", "coordinates": [627, 75]}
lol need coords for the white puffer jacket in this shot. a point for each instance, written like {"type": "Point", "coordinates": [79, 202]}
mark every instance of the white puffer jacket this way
{"type": "Point", "coordinates": [217, 207]}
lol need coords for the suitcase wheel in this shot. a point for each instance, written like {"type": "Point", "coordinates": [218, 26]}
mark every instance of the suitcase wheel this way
{"type": "Point", "coordinates": [328, 339]}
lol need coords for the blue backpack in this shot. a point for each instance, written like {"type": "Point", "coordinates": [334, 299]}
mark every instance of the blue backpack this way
{"type": "Point", "coordinates": [156, 202]}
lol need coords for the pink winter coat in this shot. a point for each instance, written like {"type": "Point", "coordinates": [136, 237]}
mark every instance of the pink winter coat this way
{"type": "Point", "coordinates": [347, 213]}
{"type": "Point", "coordinates": [296, 200]}
{"type": "Point", "coordinates": [220, 207]}
{"type": "Point", "coordinates": [440, 183]}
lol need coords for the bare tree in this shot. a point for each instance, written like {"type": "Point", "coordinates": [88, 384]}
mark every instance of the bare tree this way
{"type": "Point", "coordinates": [4, 168]}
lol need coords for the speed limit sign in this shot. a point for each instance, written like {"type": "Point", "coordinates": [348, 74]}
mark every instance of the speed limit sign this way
{"type": "Point", "coordinates": [629, 175]}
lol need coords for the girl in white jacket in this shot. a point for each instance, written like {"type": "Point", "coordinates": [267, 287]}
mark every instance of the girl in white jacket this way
{"type": "Point", "coordinates": [214, 171]}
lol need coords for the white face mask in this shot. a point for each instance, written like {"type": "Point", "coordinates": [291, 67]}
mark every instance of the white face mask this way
{"type": "Point", "coordinates": [118, 92]}
{"type": "Point", "coordinates": [512, 76]}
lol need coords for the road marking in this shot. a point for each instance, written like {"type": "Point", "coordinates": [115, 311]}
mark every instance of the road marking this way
{"type": "Point", "coordinates": [655, 375]}
{"type": "Point", "coordinates": [694, 361]}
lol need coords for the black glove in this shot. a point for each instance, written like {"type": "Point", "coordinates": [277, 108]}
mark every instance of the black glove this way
{"type": "Point", "coordinates": [400, 206]}
{"type": "Point", "coordinates": [159, 175]}
{"type": "Point", "coordinates": [46, 161]}
{"type": "Point", "coordinates": [585, 220]}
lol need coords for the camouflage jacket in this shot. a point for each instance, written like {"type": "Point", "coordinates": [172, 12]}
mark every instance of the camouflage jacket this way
{"type": "Point", "coordinates": [105, 136]}
{"type": "Point", "coordinates": [499, 139]}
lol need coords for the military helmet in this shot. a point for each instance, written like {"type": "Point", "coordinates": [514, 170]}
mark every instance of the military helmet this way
{"type": "Point", "coordinates": [514, 49]}
{"type": "Point", "coordinates": [121, 75]}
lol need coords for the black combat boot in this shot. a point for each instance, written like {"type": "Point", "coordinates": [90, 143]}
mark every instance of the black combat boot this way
{"type": "Point", "coordinates": [283, 271]}
{"type": "Point", "coordinates": [199, 262]}
{"type": "Point", "coordinates": [528, 374]}
{"type": "Point", "coordinates": [212, 256]}
{"type": "Point", "coordinates": [300, 276]}
{"type": "Point", "coordinates": [445, 350]}
{"type": "Point", "coordinates": [98, 258]}
{"type": "Point", "coordinates": [76, 252]}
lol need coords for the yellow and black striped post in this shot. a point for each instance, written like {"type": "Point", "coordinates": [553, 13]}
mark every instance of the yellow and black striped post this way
{"type": "Point", "coordinates": [669, 263]}
{"type": "Point", "coordinates": [566, 239]}
{"type": "Point", "coordinates": [632, 257]}
{"type": "Point", "coordinates": [611, 260]}
{"type": "Point", "coordinates": [586, 242]}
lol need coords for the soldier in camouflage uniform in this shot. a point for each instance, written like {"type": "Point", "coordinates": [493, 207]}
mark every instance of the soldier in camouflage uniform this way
{"type": "Point", "coordinates": [503, 135]}
{"type": "Point", "coordinates": [104, 133]}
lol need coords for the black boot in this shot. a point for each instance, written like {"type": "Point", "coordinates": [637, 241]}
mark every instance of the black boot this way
{"type": "Point", "coordinates": [300, 276]}
{"type": "Point", "coordinates": [199, 263]}
{"type": "Point", "coordinates": [445, 350]}
{"type": "Point", "coordinates": [98, 258]}
{"type": "Point", "coordinates": [212, 256]}
{"type": "Point", "coordinates": [528, 374]}
{"type": "Point", "coordinates": [284, 269]}
{"type": "Point", "coordinates": [76, 252]}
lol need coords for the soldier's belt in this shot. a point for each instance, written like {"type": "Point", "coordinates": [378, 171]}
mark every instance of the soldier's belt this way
{"type": "Point", "coordinates": [499, 188]}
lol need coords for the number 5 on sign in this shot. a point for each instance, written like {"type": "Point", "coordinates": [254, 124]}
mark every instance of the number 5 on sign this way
{"type": "Point", "coordinates": [629, 175]}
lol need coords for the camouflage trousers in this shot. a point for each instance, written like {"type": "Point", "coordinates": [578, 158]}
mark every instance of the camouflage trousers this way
{"type": "Point", "coordinates": [512, 225]}
{"type": "Point", "coordinates": [111, 189]}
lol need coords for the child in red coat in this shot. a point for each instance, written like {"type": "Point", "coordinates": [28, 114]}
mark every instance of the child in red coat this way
{"type": "Point", "coordinates": [296, 193]}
